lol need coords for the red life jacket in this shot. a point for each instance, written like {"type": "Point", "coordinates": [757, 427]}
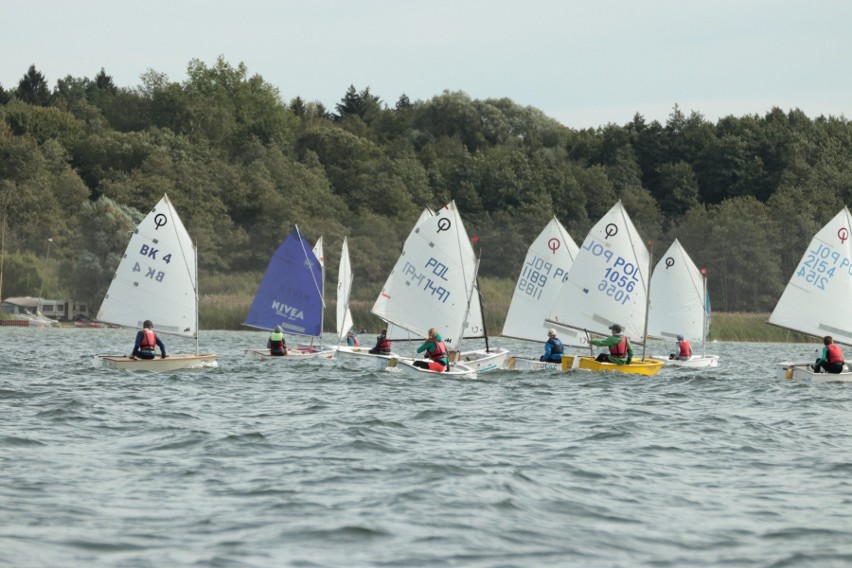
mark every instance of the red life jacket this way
{"type": "Point", "coordinates": [685, 349]}
{"type": "Point", "coordinates": [439, 353]}
{"type": "Point", "coordinates": [835, 355]}
{"type": "Point", "coordinates": [357, 343]}
{"type": "Point", "coordinates": [149, 340]}
{"type": "Point", "coordinates": [384, 344]}
{"type": "Point", "coordinates": [619, 350]}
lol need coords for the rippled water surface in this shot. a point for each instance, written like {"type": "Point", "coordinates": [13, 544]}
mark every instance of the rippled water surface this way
{"type": "Point", "coordinates": [266, 464]}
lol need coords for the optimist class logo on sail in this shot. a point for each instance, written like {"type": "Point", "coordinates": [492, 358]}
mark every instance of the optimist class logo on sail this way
{"type": "Point", "coordinates": [821, 264]}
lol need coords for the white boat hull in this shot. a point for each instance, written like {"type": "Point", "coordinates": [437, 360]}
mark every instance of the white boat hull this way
{"type": "Point", "coordinates": [292, 355]}
{"type": "Point", "coordinates": [802, 371]}
{"type": "Point", "coordinates": [526, 364]}
{"type": "Point", "coordinates": [170, 363]}
{"type": "Point", "coordinates": [483, 361]}
{"type": "Point", "coordinates": [694, 362]}
{"type": "Point", "coordinates": [407, 365]}
{"type": "Point", "coordinates": [363, 356]}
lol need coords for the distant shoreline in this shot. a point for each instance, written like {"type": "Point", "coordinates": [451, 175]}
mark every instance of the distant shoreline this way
{"type": "Point", "coordinates": [223, 311]}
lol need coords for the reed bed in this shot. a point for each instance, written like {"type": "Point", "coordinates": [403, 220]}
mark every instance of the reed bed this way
{"type": "Point", "coordinates": [227, 311]}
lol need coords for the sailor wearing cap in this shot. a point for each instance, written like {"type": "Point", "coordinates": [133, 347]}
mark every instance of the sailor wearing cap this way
{"type": "Point", "coordinates": [683, 350]}
{"type": "Point", "coordinates": [620, 350]}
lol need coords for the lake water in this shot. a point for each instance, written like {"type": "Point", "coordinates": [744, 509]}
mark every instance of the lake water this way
{"type": "Point", "coordinates": [312, 464]}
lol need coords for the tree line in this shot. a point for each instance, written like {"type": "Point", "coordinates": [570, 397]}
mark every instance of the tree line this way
{"type": "Point", "coordinates": [81, 162]}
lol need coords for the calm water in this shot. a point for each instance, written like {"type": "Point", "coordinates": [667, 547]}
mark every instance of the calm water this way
{"type": "Point", "coordinates": [259, 464]}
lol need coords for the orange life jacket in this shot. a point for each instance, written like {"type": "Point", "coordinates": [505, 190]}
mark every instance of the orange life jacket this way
{"type": "Point", "coordinates": [619, 350]}
{"type": "Point", "coordinates": [149, 340]}
{"type": "Point", "coordinates": [685, 349]}
{"type": "Point", "coordinates": [439, 353]}
{"type": "Point", "coordinates": [835, 355]}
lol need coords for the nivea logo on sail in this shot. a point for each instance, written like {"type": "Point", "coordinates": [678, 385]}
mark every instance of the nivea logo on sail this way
{"type": "Point", "coordinates": [285, 311]}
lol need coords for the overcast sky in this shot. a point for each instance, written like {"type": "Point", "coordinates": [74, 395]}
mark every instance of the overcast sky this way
{"type": "Point", "coordinates": [585, 63]}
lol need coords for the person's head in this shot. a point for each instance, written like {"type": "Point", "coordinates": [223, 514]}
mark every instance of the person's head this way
{"type": "Point", "coordinates": [615, 328]}
{"type": "Point", "coordinates": [827, 340]}
{"type": "Point", "coordinates": [384, 331]}
{"type": "Point", "coordinates": [147, 324]}
{"type": "Point", "coordinates": [432, 332]}
{"type": "Point", "coordinates": [551, 333]}
{"type": "Point", "coordinates": [350, 333]}
{"type": "Point", "coordinates": [278, 329]}
{"type": "Point", "coordinates": [680, 338]}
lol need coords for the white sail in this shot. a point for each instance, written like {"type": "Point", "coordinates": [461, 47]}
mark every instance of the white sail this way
{"type": "Point", "coordinates": [545, 269]}
{"type": "Point", "coordinates": [394, 332]}
{"type": "Point", "coordinates": [678, 302]}
{"type": "Point", "coordinates": [344, 288]}
{"type": "Point", "coordinates": [430, 284]}
{"type": "Point", "coordinates": [608, 282]}
{"type": "Point", "coordinates": [816, 300]}
{"type": "Point", "coordinates": [317, 250]}
{"type": "Point", "coordinates": [156, 279]}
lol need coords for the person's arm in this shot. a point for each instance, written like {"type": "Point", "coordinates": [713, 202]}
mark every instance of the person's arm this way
{"type": "Point", "coordinates": [137, 344]}
{"type": "Point", "coordinates": [162, 347]}
{"type": "Point", "coordinates": [429, 345]}
{"type": "Point", "coordinates": [606, 342]}
{"type": "Point", "coordinates": [547, 350]}
{"type": "Point", "coordinates": [823, 357]}
{"type": "Point", "coordinates": [629, 352]}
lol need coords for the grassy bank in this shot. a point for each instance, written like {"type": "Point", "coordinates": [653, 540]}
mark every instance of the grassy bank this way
{"type": "Point", "coordinates": [227, 311]}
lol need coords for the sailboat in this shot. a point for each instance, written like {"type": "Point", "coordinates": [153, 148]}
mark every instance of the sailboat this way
{"type": "Point", "coordinates": [607, 285]}
{"type": "Point", "coordinates": [344, 317]}
{"type": "Point", "coordinates": [157, 280]}
{"type": "Point", "coordinates": [545, 268]}
{"type": "Point", "coordinates": [679, 305]}
{"type": "Point", "coordinates": [432, 285]}
{"type": "Point", "coordinates": [291, 296]}
{"type": "Point", "coordinates": [816, 299]}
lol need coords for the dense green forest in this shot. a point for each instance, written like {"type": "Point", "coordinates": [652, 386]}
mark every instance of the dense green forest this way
{"type": "Point", "coordinates": [81, 162]}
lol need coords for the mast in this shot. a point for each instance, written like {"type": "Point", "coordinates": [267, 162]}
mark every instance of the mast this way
{"type": "Point", "coordinates": [704, 314]}
{"type": "Point", "coordinates": [466, 312]}
{"type": "Point", "coordinates": [196, 298]}
{"type": "Point", "coordinates": [647, 298]}
{"type": "Point", "coordinates": [2, 252]}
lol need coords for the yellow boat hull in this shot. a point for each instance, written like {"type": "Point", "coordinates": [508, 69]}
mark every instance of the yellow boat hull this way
{"type": "Point", "coordinates": [636, 367]}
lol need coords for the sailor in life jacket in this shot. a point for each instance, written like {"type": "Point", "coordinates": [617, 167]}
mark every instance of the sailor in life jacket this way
{"type": "Point", "coordinates": [147, 342]}
{"type": "Point", "coordinates": [620, 350]}
{"type": "Point", "coordinates": [276, 343]}
{"type": "Point", "coordinates": [352, 339]}
{"type": "Point", "coordinates": [436, 352]}
{"type": "Point", "coordinates": [684, 350]}
{"type": "Point", "coordinates": [831, 360]}
{"type": "Point", "coordinates": [552, 348]}
{"type": "Point", "coordinates": [383, 344]}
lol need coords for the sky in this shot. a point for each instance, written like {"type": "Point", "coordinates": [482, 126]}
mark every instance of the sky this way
{"type": "Point", "coordinates": [585, 63]}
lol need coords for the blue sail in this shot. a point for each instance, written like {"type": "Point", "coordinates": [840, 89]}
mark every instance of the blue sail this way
{"type": "Point", "coordinates": [290, 294]}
